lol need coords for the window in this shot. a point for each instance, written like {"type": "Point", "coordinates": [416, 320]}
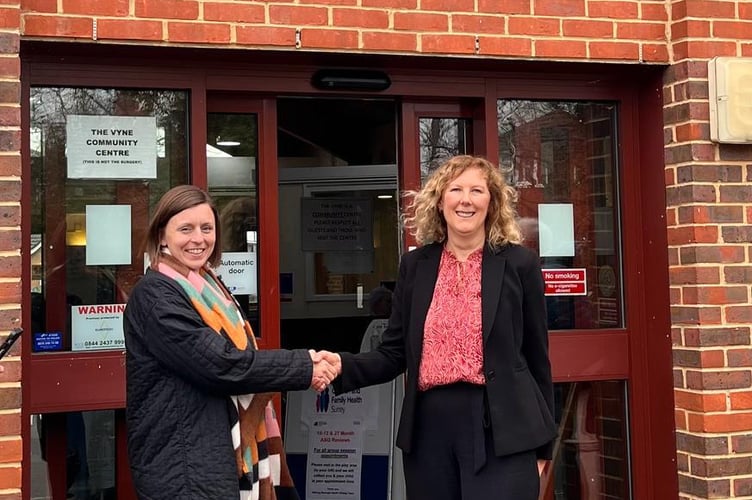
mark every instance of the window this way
{"type": "Point", "coordinates": [100, 160]}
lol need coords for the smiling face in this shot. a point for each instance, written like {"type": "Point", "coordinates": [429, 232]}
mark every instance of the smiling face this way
{"type": "Point", "coordinates": [464, 204]}
{"type": "Point", "coordinates": [190, 236]}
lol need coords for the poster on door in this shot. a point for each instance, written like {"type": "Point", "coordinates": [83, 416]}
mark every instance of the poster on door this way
{"type": "Point", "coordinates": [111, 147]}
{"type": "Point", "coordinates": [97, 327]}
{"type": "Point", "coordinates": [335, 454]}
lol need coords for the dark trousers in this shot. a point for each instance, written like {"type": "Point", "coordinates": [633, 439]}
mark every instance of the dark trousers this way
{"type": "Point", "coordinates": [452, 456]}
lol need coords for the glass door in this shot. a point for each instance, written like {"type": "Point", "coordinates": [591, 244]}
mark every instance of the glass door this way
{"type": "Point", "coordinates": [339, 250]}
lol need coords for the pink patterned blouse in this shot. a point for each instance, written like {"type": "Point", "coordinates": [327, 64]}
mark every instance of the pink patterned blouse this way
{"type": "Point", "coordinates": [453, 339]}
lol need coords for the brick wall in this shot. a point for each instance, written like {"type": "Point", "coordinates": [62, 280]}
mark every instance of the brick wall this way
{"type": "Point", "coordinates": [620, 30]}
{"type": "Point", "coordinates": [709, 214]}
{"type": "Point", "coordinates": [10, 244]}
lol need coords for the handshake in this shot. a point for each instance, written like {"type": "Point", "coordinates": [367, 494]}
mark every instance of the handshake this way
{"type": "Point", "coordinates": [326, 367]}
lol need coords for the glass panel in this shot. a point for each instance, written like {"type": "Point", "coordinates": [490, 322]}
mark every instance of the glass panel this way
{"type": "Point", "coordinates": [440, 139]}
{"type": "Point", "coordinates": [85, 468]}
{"type": "Point", "coordinates": [562, 158]}
{"type": "Point", "coordinates": [100, 160]}
{"type": "Point", "coordinates": [336, 132]}
{"type": "Point", "coordinates": [591, 457]}
{"type": "Point", "coordinates": [232, 156]}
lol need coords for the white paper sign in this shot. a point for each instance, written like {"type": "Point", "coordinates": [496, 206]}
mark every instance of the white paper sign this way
{"type": "Point", "coordinates": [238, 272]}
{"type": "Point", "coordinates": [97, 327]}
{"type": "Point", "coordinates": [556, 229]}
{"type": "Point", "coordinates": [111, 147]}
{"type": "Point", "coordinates": [335, 453]}
{"type": "Point", "coordinates": [108, 235]}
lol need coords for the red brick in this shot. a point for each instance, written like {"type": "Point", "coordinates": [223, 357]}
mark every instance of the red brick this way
{"type": "Point", "coordinates": [360, 18]}
{"type": "Point", "coordinates": [690, 28]}
{"type": "Point", "coordinates": [531, 26]}
{"type": "Point", "coordinates": [692, 234]}
{"type": "Point", "coordinates": [96, 7]}
{"type": "Point", "coordinates": [265, 36]}
{"type": "Point", "coordinates": [329, 39]}
{"type": "Point", "coordinates": [198, 32]}
{"type": "Point", "coordinates": [234, 12]}
{"type": "Point", "coordinates": [351, 3]}
{"type": "Point", "coordinates": [719, 380]}
{"type": "Point", "coordinates": [478, 24]}
{"type": "Point", "coordinates": [11, 240]}
{"type": "Point", "coordinates": [739, 357]}
{"type": "Point", "coordinates": [734, 30]}
{"type": "Point", "coordinates": [505, 7]}
{"type": "Point", "coordinates": [614, 50]}
{"type": "Point", "coordinates": [715, 295]}
{"type": "Point", "coordinates": [713, 359]}
{"type": "Point", "coordinates": [448, 5]}
{"type": "Point", "coordinates": [498, 46]}
{"type": "Point", "coordinates": [10, 267]}
{"type": "Point", "coordinates": [298, 16]}
{"type": "Point", "coordinates": [693, 132]}
{"type": "Point", "coordinates": [560, 49]}
{"type": "Point", "coordinates": [711, 214]}
{"type": "Point", "coordinates": [9, 43]}
{"type": "Point", "coordinates": [739, 314]}
{"type": "Point", "coordinates": [10, 116]}
{"type": "Point", "coordinates": [706, 8]}
{"type": "Point", "coordinates": [615, 10]}
{"type": "Point", "coordinates": [693, 315]}
{"type": "Point", "coordinates": [420, 21]}
{"type": "Point", "coordinates": [684, 275]}
{"type": "Point", "coordinates": [728, 422]}
{"type": "Point", "coordinates": [745, 10]}
{"type": "Point", "coordinates": [10, 293]}
{"type": "Point", "coordinates": [640, 31]}
{"type": "Point", "coordinates": [167, 9]}
{"type": "Point", "coordinates": [448, 44]}
{"type": "Point", "coordinates": [398, 42]}
{"type": "Point", "coordinates": [10, 18]}
{"type": "Point", "coordinates": [57, 26]}
{"type": "Point", "coordinates": [10, 478]}
{"type": "Point", "coordinates": [10, 424]}
{"type": "Point", "coordinates": [587, 29]}
{"type": "Point", "coordinates": [699, 402]}
{"type": "Point", "coordinates": [10, 451]}
{"type": "Point", "coordinates": [703, 49]}
{"type": "Point", "coordinates": [10, 190]}
{"type": "Point", "coordinates": [391, 4]}
{"type": "Point", "coordinates": [680, 419]}
{"type": "Point", "coordinates": [741, 400]}
{"type": "Point", "coordinates": [10, 66]}
{"type": "Point", "coordinates": [652, 52]}
{"type": "Point", "coordinates": [120, 29]}
{"type": "Point", "coordinates": [653, 12]}
{"type": "Point", "coordinates": [39, 6]}
{"type": "Point", "coordinates": [564, 8]}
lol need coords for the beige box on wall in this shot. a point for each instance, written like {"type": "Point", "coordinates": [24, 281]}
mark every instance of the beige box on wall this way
{"type": "Point", "coordinates": [730, 91]}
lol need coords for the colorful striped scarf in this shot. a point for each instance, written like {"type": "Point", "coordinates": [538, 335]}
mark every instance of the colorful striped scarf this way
{"type": "Point", "coordinates": [259, 454]}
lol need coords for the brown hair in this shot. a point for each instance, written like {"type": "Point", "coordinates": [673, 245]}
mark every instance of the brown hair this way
{"type": "Point", "coordinates": [172, 203]}
{"type": "Point", "coordinates": [428, 224]}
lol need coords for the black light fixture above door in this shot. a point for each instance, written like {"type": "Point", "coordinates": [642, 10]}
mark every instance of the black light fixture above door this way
{"type": "Point", "coordinates": [350, 79]}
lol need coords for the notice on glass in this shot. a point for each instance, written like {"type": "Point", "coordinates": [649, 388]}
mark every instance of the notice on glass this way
{"type": "Point", "coordinates": [108, 235]}
{"type": "Point", "coordinates": [97, 327]}
{"type": "Point", "coordinates": [111, 147]}
{"type": "Point", "coordinates": [335, 453]}
{"type": "Point", "coordinates": [336, 224]}
{"type": "Point", "coordinates": [238, 272]}
{"type": "Point", "coordinates": [556, 229]}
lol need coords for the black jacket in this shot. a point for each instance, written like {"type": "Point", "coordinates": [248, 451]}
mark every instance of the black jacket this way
{"type": "Point", "coordinates": [179, 376]}
{"type": "Point", "coordinates": [519, 389]}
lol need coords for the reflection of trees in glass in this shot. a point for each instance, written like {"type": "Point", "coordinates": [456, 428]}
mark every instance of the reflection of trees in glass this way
{"type": "Point", "coordinates": [523, 165]}
{"type": "Point", "coordinates": [440, 138]}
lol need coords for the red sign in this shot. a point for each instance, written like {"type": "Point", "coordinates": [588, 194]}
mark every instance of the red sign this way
{"type": "Point", "coordinates": [565, 281]}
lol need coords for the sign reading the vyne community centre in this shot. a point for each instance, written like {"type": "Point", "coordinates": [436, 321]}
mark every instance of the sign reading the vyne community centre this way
{"type": "Point", "coordinates": [111, 147]}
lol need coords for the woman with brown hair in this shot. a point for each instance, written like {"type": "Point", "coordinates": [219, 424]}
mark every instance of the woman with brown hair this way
{"type": "Point", "coordinates": [200, 424]}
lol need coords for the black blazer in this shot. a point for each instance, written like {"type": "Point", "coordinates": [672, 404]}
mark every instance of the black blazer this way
{"type": "Point", "coordinates": [519, 389]}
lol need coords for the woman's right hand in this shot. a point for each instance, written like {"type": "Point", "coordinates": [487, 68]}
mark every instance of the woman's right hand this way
{"type": "Point", "coordinates": [323, 369]}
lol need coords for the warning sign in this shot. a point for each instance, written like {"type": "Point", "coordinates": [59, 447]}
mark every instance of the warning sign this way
{"type": "Point", "coordinates": [565, 281]}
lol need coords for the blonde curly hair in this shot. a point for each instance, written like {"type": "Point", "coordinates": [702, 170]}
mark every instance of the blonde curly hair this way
{"type": "Point", "coordinates": [427, 223]}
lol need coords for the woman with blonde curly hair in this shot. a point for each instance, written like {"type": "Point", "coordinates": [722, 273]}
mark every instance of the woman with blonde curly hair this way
{"type": "Point", "coordinates": [468, 326]}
